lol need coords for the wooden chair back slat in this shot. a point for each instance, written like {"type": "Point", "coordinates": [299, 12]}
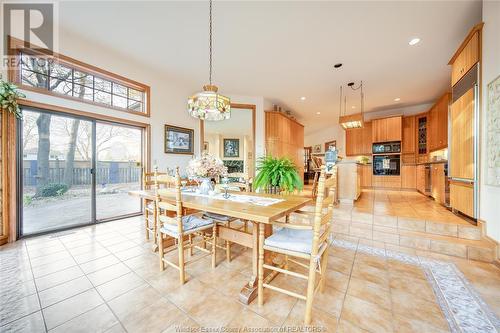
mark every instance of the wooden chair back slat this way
{"type": "Point", "coordinates": [167, 206]}
{"type": "Point", "coordinates": [164, 207]}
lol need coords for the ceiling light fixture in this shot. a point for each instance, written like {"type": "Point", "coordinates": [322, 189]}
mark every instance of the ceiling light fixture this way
{"type": "Point", "coordinates": [414, 41]}
{"type": "Point", "coordinates": [208, 104]}
{"type": "Point", "coordinates": [353, 107]}
{"type": "Point", "coordinates": [352, 120]}
{"type": "Point", "coordinates": [338, 65]}
{"type": "Point", "coordinates": [397, 99]}
{"type": "Point", "coordinates": [302, 98]}
{"type": "Point", "coordinates": [318, 112]}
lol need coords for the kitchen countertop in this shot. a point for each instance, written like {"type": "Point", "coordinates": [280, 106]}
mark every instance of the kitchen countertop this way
{"type": "Point", "coordinates": [433, 162]}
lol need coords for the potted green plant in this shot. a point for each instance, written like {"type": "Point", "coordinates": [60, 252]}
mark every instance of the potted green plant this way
{"type": "Point", "coordinates": [9, 94]}
{"type": "Point", "coordinates": [276, 175]}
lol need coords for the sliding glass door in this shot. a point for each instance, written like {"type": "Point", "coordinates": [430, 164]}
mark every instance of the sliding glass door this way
{"type": "Point", "coordinates": [75, 171]}
{"type": "Point", "coordinates": [118, 170]}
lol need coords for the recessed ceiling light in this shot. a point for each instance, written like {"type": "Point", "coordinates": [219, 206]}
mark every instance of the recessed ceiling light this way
{"type": "Point", "coordinates": [338, 65]}
{"type": "Point", "coordinates": [353, 107]}
{"type": "Point", "coordinates": [414, 41]}
{"type": "Point", "coordinates": [397, 99]}
{"type": "Point", "coordinates": [302, 98]}
{"type": "Point", "coordinates": [318, 112]}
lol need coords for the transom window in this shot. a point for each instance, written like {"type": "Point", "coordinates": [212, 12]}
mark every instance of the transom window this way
{"type": "Point", "coordinates": [48, 73]}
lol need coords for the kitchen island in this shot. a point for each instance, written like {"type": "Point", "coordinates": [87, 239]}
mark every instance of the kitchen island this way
{"type": "Point", "coordinates": [349, 181]}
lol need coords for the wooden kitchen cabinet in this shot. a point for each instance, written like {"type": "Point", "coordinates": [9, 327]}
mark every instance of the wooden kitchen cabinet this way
{"type": "Point", "coordinates": [359, 140]}
{"type": "Point", "coordinates": [394, 125]}
{"type": "Point", "coordinates": [421, 178]}
{"type": "Point", "coordinates": [409, 137]}
{"type": "Point", "coordinates": [367, 138]}
{"type": "Point", "coordinates": [462, 137]}
{"type": "Point", "coordinates": [466, 56]}
{"type": "Point", "coordinates": [438, 180]}
{"type": "Point", "coordinates": [353, 141]}
{"type": "Point", "coordinates": [432, 128]}
{"type": "Point", "coordinates": [366, 175]}
{"type": "Point", "coordinates": [462, 197]}
{"type": "Point", "coordinates": [285, 138]}
{"type": "Point", "coordinates": [438, 124]}
{"type": "Point", "coordinates": [386, 129]}
{"type": "Point", "coordinates": [393, 182]}
{"type": "Point", "coordinates": [409, 176]}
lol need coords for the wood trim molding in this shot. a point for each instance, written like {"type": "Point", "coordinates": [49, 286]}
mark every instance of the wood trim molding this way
{"type": "Point", "coordinates": [9, 170]}
{"type": "Point", "coordinates": [477, 28]}
{"type": "Point", "coordinates": [17, 45]}
{"type": "Point", "coordinates": [56, 108]}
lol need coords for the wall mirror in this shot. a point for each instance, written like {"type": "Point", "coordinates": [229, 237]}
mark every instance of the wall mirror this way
{"type": "Point", "coordinates": [233, 141]}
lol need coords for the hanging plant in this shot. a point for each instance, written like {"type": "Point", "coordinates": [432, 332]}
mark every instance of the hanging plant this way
{"type": "Point", "coordinates": [9, 94]}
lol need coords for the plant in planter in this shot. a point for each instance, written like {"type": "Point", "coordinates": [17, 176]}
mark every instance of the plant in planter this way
{"type": "Point", "coordinates": [276, 175]}
{"type": "Point", "coordinates": [9, 94]}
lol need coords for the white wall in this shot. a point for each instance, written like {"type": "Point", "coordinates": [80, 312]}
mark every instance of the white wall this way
{"type": "Point", "coordinates": [334, 132]}
{"type": "Point", "coordinates": [489, 195]}
{"type": "Point", "coordinates": [168, 97]}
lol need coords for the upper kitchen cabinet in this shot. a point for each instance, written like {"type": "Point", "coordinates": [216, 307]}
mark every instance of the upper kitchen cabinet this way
{"type": "Point", "coordinates": [438, 124]}
{"type": "Point", "coordinates": [359, 140]}
{"type": "Point", "coordinates": [467, 55]}
{"type": "Point", "coordinates": [409, 137]}
{"type": "Point", "coordinates": [285, 138]}
{"type": "Point", "coordinates": [386, 129]}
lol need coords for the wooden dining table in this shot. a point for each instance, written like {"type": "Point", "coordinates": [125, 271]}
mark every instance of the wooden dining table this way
{"type": "Point", "coordinates": [256, 214]}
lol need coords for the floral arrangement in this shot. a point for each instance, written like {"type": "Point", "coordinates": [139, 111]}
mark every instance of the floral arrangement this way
{"type": "Point", "coordinates": [206, 166]}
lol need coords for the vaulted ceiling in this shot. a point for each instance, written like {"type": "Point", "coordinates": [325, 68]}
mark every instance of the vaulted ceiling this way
{"type": "Point", "coordinates": [284, 50]}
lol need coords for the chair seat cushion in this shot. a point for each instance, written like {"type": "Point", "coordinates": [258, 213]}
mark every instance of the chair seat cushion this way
{"type": "Point", "coordinates": [189, 223]}
{"type": "Point", "coordinates": [291, 239]}
{"type": "Point", "coordinates": [218, 217]}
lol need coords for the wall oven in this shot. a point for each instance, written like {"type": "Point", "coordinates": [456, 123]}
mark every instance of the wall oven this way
{"type": "Point", "coordinates": [386, 165]}
{"type": "Point", "coordinates": [387, 147]}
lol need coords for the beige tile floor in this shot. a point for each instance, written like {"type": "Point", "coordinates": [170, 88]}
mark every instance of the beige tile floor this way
{"type": "Point", "coordinates": [106, 279]}
{"type": "Point", "coordinates": [410, 204]}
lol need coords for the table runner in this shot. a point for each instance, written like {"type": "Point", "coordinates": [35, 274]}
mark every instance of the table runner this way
{"type": "Point", "coordinates": [259, 201]}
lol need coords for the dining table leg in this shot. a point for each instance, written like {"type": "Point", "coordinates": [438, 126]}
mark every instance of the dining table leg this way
{"type": "Point", "coordinates": [249, 291]}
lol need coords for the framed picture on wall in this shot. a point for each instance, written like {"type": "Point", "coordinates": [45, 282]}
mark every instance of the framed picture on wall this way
{"type": "Point", "coordinates": [329, 144]}
{"type": "Point", "coordinates": [231, 147]}
{"type": "Point", "coordinates": [317, 149]}
{"type": "Point", "coordinates": [179, 140]}
{"type": "Point", "coordinates": [205, 146]}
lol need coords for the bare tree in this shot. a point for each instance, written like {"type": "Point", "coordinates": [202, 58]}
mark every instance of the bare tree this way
{"type": "Point", "coordinates": [29, 125]}
{"type": "Point", "coordinates": [39, 78]}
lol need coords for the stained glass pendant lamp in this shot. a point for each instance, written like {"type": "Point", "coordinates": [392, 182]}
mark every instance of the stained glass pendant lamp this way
{"type": "Point", "coordinates": [209, 104]}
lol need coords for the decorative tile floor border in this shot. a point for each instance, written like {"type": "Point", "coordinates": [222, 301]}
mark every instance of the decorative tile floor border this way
{"type": "Point", "coordinates": [463, 308]}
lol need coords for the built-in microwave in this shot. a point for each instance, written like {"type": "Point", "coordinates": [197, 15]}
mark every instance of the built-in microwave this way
{"type": "Point", "coordinates": [386, 147]}
{"type": "Point", "coordinates": [386, 165]}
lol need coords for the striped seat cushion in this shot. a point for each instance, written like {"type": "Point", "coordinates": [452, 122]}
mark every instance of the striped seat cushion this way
{"type": "Point", "coordinates": [190, 223]}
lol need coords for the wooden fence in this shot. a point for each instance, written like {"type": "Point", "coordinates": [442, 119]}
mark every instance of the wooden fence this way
{"type": "Point", "coordinates": [107, 173]}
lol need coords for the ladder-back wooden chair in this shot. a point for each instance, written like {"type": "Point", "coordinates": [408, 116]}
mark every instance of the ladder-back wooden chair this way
{"type": "Point", "coordinates": [178, 231]}
{"type": "Point", "coordinates": [150, 182]}
{"type": "Point", "coordinates": [308, 241]}
{"type": "Point", "coordinates": [226, 221]}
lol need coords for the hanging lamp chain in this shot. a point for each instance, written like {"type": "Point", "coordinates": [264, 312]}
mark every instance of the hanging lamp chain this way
{"type": "Point", "coordinates": [210, 45]}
